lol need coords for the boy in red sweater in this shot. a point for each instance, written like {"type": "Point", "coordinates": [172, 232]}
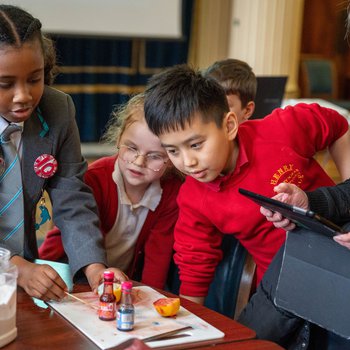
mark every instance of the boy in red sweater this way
{"type": "Point", "coordinates": [191, 116]}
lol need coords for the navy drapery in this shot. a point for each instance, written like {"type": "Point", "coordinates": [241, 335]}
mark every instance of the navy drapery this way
{"type": "Point", "coordinates": [102, 72]}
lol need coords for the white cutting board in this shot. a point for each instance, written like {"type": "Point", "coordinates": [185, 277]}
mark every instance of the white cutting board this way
{"type": "Point", "coordinates": [147, 321]}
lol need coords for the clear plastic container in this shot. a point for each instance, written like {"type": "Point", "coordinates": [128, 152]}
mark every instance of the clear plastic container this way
{"type": "Point", "coordinates": [8, 298]}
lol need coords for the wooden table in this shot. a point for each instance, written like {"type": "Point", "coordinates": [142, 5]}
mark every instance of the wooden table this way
{"type": "Point", "coordinates": [45, 329]}
{"type": "Point", "coordinates": [255, 344]}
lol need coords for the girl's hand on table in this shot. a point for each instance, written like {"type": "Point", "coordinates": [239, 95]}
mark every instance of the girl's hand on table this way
{"type": "Point", "coordinates": [94, 274]}
{"type": "Point", "coordinates": [39, 281]}
{"type": "Point", "coordinates": [119, 275]}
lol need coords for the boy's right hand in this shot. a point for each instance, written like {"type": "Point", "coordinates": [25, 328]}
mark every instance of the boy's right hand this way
{"type": "Point", "coordinates": [39, 281]}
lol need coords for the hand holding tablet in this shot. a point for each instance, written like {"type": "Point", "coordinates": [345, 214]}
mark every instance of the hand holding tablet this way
{"type": "Point", "coordinates": [301, 217]}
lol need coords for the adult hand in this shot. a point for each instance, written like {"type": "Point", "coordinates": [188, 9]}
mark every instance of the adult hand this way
{"type": "Point", "coordinates": [290, 194]}
{"type": "Point", "coordinates": [39, 281]}
{"type": "Point", "coordinates": [343, 239]}
{"type": "Point", "coordinates": [137, 344]}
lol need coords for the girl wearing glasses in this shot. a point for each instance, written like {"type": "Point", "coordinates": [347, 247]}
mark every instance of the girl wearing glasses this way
{"type": "Point", "coordinates": [136, 192]}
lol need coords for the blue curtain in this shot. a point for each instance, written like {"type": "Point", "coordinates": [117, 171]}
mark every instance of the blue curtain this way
{"type": "Point", "coordinates": [100, 73]}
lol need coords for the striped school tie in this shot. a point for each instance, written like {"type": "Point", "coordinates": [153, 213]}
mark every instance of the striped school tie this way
{"type": "Point", "coordinates": [11, 194]}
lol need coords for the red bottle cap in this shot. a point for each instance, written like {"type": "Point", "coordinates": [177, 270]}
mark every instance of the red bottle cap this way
{"type": "Point", "coordinates": [108, 275]}
{"type": "Point", "coordinates": [45, 166]}
{"type": "Point", "coordinates": [127, 285]}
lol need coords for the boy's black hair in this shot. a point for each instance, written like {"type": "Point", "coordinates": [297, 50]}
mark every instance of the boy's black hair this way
{"type": "Point", "coordinates": [236, 77]}
{"type": "Point", "coordinates": [18, 27]}
{"type": "Point", "coordinates": [176, 95]}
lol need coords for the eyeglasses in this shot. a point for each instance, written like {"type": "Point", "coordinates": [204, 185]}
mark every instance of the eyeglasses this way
{"type": "Point", "coordinates": [151, 161]}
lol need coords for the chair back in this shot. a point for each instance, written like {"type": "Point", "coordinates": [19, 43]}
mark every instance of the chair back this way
{"type": "Point", "coordinates": [234, 279]}
{"type": "Point", "coordinates": [318, 78]}
{"type": "Point", "coordinates": [233, 283]}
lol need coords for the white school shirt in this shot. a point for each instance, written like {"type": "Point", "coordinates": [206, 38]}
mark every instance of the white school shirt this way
{"type": "Point", "coordinates": [120, 241]}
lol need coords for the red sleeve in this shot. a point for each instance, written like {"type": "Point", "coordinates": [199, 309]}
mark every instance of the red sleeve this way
{"type": "Point", "coordinates": [52, 247]}
{"type": "Point", "coordinates": [197, 243]}
{"type": "Point", "coordinates": [99, 178]}
{"type": "Point", "coordinates": [316, 127]}
{"type": "Point", "coordinates": [159, 244]}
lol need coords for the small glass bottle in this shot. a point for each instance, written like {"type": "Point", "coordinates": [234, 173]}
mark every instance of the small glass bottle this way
{"type": "Point", "coordinates": [107, 308]}
{"type": "Point", "coordinates": [126, 310]}
{"type": "Point", "coordinates": [8, 298]}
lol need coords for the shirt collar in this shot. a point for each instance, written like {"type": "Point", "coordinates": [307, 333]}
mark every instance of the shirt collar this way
{"type": "Point", "coordinates": [4, 124]}
{"type": "Point", "coordinates": [242, 160]}
{"type": "Point", "coordinates": [151, 197]}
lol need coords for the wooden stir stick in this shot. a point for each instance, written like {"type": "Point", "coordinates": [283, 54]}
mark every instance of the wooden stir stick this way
{"type": "Point", "coordinates": [82, 301]}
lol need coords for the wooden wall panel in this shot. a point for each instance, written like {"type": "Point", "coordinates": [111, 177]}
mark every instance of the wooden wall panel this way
{"type": "Point", "coordinates": [324, 34]}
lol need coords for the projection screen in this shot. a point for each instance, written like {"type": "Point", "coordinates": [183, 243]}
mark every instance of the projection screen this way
{"type": "Point", "coordinates": [117, 18]}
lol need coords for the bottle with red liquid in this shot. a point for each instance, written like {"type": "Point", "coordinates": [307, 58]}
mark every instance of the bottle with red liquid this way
{"type": "Point", "coordinates": [107, 310]}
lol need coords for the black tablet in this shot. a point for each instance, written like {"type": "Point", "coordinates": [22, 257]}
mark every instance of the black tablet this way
{"type": "Point", "coordinates": [301, 217]}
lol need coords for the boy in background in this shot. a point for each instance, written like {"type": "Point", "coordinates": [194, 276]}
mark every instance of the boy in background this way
{"type": "Point", "coordinates": [191, 116]}
{"type": "Point", "coordinates": [240, 85]}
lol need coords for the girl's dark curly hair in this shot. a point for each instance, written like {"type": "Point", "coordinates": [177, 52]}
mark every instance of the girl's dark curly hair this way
{"type": "Point", "coordinates": [18, 27]}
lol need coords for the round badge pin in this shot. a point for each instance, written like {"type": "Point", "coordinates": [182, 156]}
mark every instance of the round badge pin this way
{"type": "Point", "coordinates": [45, 166]}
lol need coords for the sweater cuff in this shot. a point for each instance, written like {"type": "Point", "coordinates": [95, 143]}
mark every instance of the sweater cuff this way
{"type": "Point", "coordinates": [194, 289]}
{"type": "Point", "coordinates": [318, 202]}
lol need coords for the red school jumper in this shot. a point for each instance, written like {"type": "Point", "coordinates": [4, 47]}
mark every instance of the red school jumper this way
{"type": "Point", "coordinates": [154, 245]}
{"type": "Point", "coordinates": [278, 148]}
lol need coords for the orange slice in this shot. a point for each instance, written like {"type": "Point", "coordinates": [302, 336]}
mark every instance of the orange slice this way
{"type": "Point", "coordinates": [167, 306]}
{"type": "Point", "coordinates": [117, 291]}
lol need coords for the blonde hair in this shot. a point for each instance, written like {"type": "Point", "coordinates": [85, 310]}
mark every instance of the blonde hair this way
{"type": "Point", "coordinates": [122, 117]}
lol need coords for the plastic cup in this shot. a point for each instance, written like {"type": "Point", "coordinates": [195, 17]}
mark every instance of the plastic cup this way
{"type": "Point", "coordinates": [62, 269]}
